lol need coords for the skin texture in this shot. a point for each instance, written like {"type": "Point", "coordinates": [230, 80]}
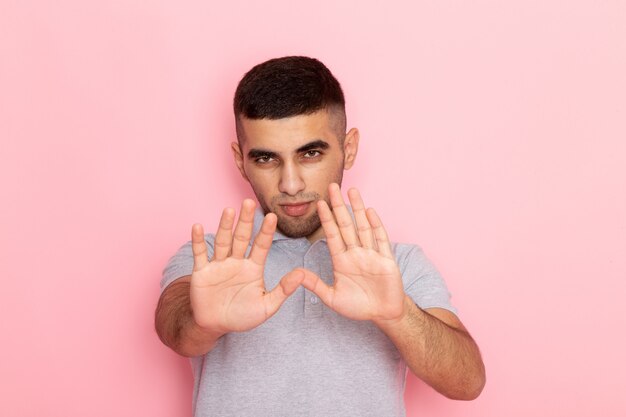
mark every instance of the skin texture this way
{"type": "Point", "coordinates": [279, 160]}
{"type": "Point", "coordinates": [294, 166]}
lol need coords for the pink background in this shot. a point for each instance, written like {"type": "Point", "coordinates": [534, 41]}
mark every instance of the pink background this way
{"type": "Point", "coordinates": [493, 134]}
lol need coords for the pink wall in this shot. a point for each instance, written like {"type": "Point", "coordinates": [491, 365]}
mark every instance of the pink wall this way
{"type": "Point", "coordinates": [497, 142]}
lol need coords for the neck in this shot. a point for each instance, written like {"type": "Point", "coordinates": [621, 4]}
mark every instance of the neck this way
{"type": "Point", "coordinates": [316, 235]}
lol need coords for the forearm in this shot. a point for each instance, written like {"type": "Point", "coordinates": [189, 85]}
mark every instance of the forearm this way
{"type": "Point", "coordinates": [444, 357]}
{"type": "Point", "coordinates": [176, 326]}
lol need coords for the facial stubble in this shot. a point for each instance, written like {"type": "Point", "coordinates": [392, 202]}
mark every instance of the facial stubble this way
{"type": "Point", "coordinates": [297, 227]}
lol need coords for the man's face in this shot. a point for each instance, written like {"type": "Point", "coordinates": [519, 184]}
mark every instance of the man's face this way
{"type": "Point", "coordinates": [290, 162]}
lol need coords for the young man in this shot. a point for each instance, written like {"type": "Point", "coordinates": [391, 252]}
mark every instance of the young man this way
{"type": "Point", "coordinates": [347, 312]}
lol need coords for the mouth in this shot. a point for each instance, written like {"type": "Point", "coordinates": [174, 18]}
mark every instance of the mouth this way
{"type": "Point", "coordinates": [296, 209]}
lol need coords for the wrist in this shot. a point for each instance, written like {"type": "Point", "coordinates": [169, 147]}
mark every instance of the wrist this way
{"type": "Point", "coordinates": [195, 340]}
{"type": "Point", "coordinates": [396, 322]}
{"type": "Point", "coordinates": [206, 332]}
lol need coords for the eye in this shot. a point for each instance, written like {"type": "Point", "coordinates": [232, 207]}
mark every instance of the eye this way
{"type": "Point", "coordinates": [264, 159]}
{"type": "Point", "coordinates": [312, 154]}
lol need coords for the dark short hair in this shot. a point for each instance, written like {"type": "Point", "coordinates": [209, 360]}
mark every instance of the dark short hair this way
{"type": "Point", "coordinates": [285, 87]}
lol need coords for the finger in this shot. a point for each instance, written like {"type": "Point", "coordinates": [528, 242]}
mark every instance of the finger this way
{"type": "Point", "coordinates": [263, 241]}
{"type": "Point", "coordinates": [333, 235]}
{"type": "Point", "coordinates": [314, 283]}
{"type": "Point", "coordinates": [224, 235]}
{"type": "Point", "coordinates": [198, 247]}
{"type": "Point", "coordinates": [344, 219]}
{"type": "Point", "coordinates": [287, 285]}
{"type": "Point", "coordinates": [384, 246]}
{"type": "Point", "coordinates": [243, 230]}
{"type": "Point", "coordinates": [364, 230]}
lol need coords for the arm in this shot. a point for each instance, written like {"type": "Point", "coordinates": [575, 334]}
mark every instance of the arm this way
{"type": "Point", "coordinates": [368, 286]}
{"type": "Point", "coordinates": [226, 294]}
{"type": "Point", "coordinates": [175, 324]}
{"type": "Point", "coordinates": [438, 350]}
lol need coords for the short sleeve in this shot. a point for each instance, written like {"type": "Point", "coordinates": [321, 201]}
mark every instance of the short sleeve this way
{"type": "Point", "coordinates": [422, 282]}
{"type": "Point", "coordinates": [181, 264]}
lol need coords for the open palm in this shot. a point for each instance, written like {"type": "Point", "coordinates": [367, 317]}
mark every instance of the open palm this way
{"type": "Point", "coordinates": [367, 281]}
{"type": "Point", "coordinates": [228, 293]}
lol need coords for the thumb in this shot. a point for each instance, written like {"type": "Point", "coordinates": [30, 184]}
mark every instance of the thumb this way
{"type": "Point", "coordinates": [287, 285]}
{"type": "Point", "coordinates": [314, 283]}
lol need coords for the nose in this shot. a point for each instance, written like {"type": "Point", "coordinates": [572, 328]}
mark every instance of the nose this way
{"type": "Point", "coordinates": [291, 182]}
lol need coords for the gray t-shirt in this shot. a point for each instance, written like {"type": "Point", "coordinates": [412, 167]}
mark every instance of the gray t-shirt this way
{"type": "Point", "coordinates": [307, 360]}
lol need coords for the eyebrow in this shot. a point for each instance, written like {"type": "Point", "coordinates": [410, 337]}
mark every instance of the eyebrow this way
{"type": "Point", "coordinates": [258, 153]}
{"type": "Point", "coordinates": [316, 144]}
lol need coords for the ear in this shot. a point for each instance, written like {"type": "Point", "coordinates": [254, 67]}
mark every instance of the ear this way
{"type": "Point", "coordinates": [238, 155]}
{"type": "Point", "coordinates": [350, 148]}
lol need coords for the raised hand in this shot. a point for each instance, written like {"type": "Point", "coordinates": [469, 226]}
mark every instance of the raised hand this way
{"type": "Point", "coordinates": [228, 293]}
{"type": "Point", "coordinates": [368, 283]}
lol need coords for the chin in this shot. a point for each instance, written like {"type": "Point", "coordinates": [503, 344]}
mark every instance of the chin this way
{"type": "Point", "coordinates": [299, 228]}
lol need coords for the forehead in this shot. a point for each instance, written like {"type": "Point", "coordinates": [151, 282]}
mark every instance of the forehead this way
{"type": "Point", "coordinates": [287, 134]}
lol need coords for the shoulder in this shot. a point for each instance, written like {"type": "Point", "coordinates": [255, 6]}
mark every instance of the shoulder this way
{"type": "Point", "coordinates": [409, 255]}
{"type": "Point", "coordinates": [422, 281]}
